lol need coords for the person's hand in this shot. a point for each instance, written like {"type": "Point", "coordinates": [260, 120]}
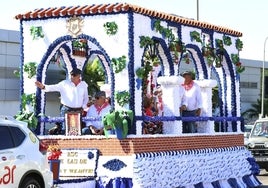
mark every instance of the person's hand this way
{"type": "Point", "coordinates": [198, 112]}
{"type": "Point", "coordinates": [183, 107]}
{"type": "Point", "coordinates": [39, 85]}
{"type": "Point", "coordinates": [100, 131]}
{"type": "Point", "coordinates": [93, 129]}
{"type": "Point", "coordinates": [96, 131]}
{"type": "Point", "coordinates": [84, 113]}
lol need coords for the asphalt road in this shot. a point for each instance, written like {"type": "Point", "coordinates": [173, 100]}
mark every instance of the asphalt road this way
{"type": "Point", "coordinates": [263, 177]}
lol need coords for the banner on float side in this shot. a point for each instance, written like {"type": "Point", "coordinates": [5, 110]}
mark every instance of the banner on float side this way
{"type": "Point", "coordinates": [78, 162]}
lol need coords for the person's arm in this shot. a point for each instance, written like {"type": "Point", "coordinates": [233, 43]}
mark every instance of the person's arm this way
{"type": "Point", "coordinates": [183, 100]}
{"type": "Point", "coordinates": [89, 114]}
{"type": "Point", "coordinates": [48, 88]}
{"type": "Point", "coordinates": [85, 97]}
{"type": "Point", "coordinates": [199, 101]}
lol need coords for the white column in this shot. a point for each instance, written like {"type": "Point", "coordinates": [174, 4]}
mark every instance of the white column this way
{"type": "Point", "coordinates": [206, 86]}
{"type": "Point", "coordinates": [171, 101]}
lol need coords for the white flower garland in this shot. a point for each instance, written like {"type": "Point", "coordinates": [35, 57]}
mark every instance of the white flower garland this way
{"type": "Point", "coordinates": [188, 168]}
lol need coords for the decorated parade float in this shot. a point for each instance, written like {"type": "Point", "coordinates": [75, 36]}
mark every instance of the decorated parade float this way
{"type": "Point", "coordinates": [140, 50]}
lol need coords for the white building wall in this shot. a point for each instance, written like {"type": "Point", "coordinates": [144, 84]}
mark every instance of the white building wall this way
{"type": "Point", "coordinates": [9, 61]}
{"type": "Point", "coordinates": [252, 76]}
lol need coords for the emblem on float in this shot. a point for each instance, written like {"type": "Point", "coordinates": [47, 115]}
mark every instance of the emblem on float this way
{"type": "Point", "coordinates": [74, 26]}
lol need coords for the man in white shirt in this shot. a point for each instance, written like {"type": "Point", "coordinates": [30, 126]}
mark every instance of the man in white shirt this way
{"type": "Point", "coordinates": [73, 92]}
{"type": "Point", "coordinates": [100, 108]}
{"type": "Point", "coordinates": [194, 102]}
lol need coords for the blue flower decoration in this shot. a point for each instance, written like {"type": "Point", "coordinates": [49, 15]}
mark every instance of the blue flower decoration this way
{"type": "Point", "coordinates": [138, 82]}
{"type": "Point", "coordinates": [114, 165]}
{"type": "Point", "coordinates": [90, 155]}
{"type": "Point", "coordinates": [255, 168]}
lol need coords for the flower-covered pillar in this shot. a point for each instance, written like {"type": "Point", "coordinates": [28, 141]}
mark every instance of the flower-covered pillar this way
{"type": "Point", "coordinates": [171, 101]}
{"type": "Point", "coordinates": [206, 86]}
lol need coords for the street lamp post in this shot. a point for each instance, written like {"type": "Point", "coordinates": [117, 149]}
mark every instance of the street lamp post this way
{"type": "Point", "coordinates": [262, 95]}
{"type": "Point", "coordinates": [197, 10]}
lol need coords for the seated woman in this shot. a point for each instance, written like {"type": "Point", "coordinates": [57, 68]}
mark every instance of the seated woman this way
{"type": "Point", "coordinates": [100, 108]}
{"type": "Point", "coordinates": [151, 127]}
{"type": "Point", "coordinates": [149, 107]}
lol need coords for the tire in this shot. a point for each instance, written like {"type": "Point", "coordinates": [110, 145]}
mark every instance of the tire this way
{"type": "Point", "coordinates": [31, 182]}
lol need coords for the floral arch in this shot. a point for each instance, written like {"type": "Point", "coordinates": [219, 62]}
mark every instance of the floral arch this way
{"type": "Point", "coordinates": [61, 47]}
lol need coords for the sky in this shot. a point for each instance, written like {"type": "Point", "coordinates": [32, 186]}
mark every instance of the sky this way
{"type": "Point", "coordinates": [246, 16]}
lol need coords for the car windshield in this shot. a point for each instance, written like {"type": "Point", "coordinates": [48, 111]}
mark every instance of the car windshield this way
{"type": "Point", "coordinates": [260, 129]}
{"type": "Point", "coordinates": [248, 128]}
